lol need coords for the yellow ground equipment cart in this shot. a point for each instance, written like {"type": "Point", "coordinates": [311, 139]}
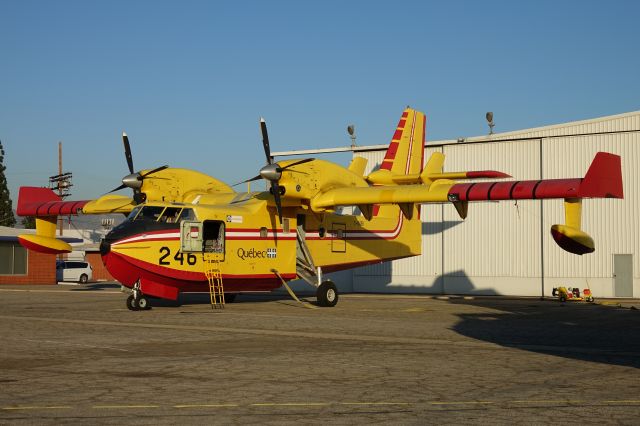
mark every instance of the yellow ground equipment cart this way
{"type": "Point", "coordinates": [572, 294]}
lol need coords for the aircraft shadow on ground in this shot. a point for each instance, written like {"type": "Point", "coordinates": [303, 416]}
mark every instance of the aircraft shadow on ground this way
{"type": "Point", "coordinates": [204, 299]}
{"type": "Point", "coordinates": [98, 286]}
{"type": "Point", "coordinates": [587, 332]}
{"type": "Point", "coordinates": [574, 330]}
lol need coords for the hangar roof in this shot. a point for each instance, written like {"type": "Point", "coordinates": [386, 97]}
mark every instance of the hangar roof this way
{"type": "Point", "coordinates": [627, 122]}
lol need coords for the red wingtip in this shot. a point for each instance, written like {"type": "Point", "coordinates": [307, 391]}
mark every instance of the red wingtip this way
{"type": "Point", "coordinates": [604, 177]}
{"type": "Point", "coordinates": [28, 196]}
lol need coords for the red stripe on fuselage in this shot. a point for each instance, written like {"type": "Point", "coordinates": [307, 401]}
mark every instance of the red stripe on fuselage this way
{"type": "Point", "coordinates": [127, 270]}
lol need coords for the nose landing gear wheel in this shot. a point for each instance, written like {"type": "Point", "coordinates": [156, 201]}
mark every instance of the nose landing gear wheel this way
{"type": "Point", "coordinates": [132, 303]}
{"type": "Point", "coordinates": [139, 304]}
{"type": "Point", "coordinates": [327, 294]}
{"type": "Point", "coordinates": [143, 303]}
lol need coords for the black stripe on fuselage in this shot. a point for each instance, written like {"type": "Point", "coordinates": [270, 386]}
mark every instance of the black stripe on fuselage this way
{"type": "Point", "coordinates": [129, 228]}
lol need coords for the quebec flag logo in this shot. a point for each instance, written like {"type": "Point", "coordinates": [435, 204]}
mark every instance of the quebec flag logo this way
{"type": "Point", "coordinates": [272, 253]}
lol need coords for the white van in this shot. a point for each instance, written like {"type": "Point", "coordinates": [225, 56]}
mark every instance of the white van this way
{"type": "Point", "coordinates": [76, 271]}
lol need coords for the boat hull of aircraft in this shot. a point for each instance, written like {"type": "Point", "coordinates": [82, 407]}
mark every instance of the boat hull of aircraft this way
{"type": "Point", "coordinates": [151, 253]}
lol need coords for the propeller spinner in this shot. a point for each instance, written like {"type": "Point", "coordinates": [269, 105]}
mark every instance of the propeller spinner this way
{"type": "Point", "coordinates": [134, 179]}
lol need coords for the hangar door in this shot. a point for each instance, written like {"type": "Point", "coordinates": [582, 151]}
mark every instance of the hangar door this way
{"type": "Point", "coordinates": [623, 275]}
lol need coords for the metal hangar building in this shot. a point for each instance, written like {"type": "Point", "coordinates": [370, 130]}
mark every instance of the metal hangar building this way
{"type": "Point", "coordinates": [506, 248]}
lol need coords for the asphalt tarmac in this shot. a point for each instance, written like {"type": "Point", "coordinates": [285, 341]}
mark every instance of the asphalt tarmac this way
{"type": "Point", "coordinates": [76, 355]}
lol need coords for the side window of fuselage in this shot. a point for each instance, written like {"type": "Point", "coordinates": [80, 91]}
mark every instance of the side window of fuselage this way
{"type": "Point", "coordinates": [134, 213]}
{"type": "Point", "coordinates": [187, 214]}
{"type": "Point", "coordinates": [171, 215]}
{"type": "Point", "coordinates": [151, 213]}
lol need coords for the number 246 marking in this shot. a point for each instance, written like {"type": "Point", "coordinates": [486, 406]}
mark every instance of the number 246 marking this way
{"type": "Point", "coordinates": [179, 257]}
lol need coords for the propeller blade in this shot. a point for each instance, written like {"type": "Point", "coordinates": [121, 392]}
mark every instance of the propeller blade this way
{"type": "Point", "coordinates": [156, 170]}
{"type": "Point", "coordinates": [127, 151]}
{"type": "Point", "coordinates": [265, 141]}
{"type": "Point", "coordinates": [275, 188]}
{"type": "Point", "coordinates": [306, 160]}
{"type": "Point", "coordinates": [248, 180]}
{"type": "Point", "coordinates": [118, 188]}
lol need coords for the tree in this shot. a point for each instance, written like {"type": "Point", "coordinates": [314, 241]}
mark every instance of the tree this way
{"type": "Point", "coordinates": [29, 222]}
{"type": "Point", "coordinates": [6, 206]}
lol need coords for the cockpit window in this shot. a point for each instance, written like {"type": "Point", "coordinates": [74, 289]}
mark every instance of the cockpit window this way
{"type": "Point", "coordinates": [150, 213]}
{"type": "Point", "coordinates": [187, 214]}
{"type": "Point", "coordinates": [134, 213]}
{"type": "Point", "coordinates": [171, 215]}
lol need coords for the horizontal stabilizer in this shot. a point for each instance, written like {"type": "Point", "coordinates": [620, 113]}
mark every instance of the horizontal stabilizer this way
{"type": "Point", "coordinates": [478, 174]}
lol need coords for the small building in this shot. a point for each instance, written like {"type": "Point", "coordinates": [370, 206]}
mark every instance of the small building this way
{"type": "Point", "coordinates": [21, 266]}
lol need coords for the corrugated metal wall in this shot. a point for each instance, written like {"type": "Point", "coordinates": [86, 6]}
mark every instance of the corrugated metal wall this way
{"type": "Point", "coordinates": [504, 248]}
{"type": "Point", "coordinates": [612, 223]}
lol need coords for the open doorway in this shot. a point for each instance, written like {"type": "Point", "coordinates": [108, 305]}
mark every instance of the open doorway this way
{"type": "Point", "coordinates": [213, 236]}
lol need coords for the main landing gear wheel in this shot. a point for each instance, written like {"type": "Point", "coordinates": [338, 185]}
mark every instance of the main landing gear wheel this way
{"type": "Point", "coordinates": [327, 294]}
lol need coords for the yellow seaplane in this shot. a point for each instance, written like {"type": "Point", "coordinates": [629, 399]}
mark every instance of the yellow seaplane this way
{"type": "Point", "coordinates": [184, 227]}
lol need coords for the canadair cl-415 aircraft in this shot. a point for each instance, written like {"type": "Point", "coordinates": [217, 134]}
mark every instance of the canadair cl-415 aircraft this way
{"type": "Point", "coordinates": [184, 227]}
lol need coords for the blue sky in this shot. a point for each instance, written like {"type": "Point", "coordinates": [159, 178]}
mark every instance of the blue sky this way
{"type": "Point", "coordinates": [189, 80]}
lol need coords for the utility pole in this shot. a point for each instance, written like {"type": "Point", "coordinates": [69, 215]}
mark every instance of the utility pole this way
{"type": "Point", "coordinates": [60, 222]}
{"type": "Point", "coordinates": [62, 183]}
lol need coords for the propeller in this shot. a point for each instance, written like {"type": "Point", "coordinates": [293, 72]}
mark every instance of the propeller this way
{"type": "Point", "coordinates": [134, 179]}
{"type": "Point", "coordinates": [272, 172]}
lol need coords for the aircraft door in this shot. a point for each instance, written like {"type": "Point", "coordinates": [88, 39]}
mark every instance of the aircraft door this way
{"type": "Point", "coordinates": [191, 236]}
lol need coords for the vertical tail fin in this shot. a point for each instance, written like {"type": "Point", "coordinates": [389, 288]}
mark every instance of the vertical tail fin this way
{"type": "Point", "coordinates": [405, 153]}
{"type": "Point", "coordinates": [404, 156]}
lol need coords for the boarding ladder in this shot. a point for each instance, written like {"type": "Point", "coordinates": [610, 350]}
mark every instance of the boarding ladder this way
{"type": "Point", "coordinates": [305, 268]}
{"type": "Point", "coordinates": [214, 277]}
